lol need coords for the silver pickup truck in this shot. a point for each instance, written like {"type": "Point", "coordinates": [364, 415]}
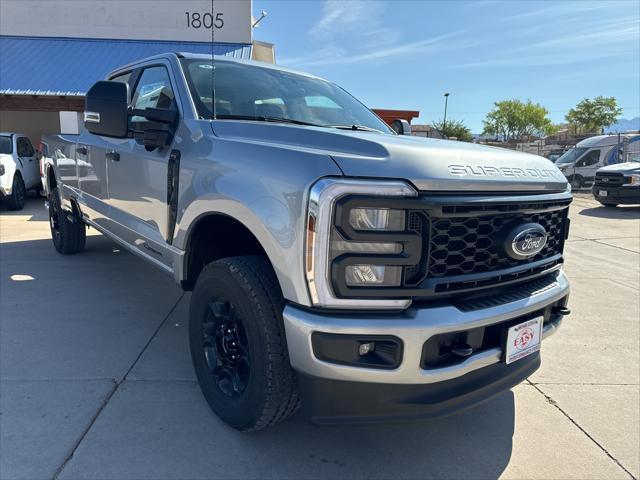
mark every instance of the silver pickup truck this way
{"type": "Point", "coordinates": [333, 263]}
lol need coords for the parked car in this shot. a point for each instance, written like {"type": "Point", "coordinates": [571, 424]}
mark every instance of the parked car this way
{"type": "Point", "coordinates": [618, 184]}
{"type": "Point", "coordinates": [18, 169]}
{"type": "Point", "coordinates": [332, 262]}
{"type": "Point", "coordinates": [580, 163]}
{"type": "Point", "coordinates": [61, 147]}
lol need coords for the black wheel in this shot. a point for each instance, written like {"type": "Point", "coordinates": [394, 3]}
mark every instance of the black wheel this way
{"type": "Point", "coordinates": [238, 344]}
{"type": "Point", "coordinates": [608, 204]}
{"type": "Point", "coordinates": [68, 236]}
{"type": "Point", "coordinates": [18, 194]}
{"type": "Point", "coordinates": [576, 182]}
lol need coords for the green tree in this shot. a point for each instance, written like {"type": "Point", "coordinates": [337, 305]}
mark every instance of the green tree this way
{"type": "Point", "coordinates": [514, 119]}
{"type": "Point", "coordinates": [454, 128]}
{"type": "Point", "coordinates": [591, 116]}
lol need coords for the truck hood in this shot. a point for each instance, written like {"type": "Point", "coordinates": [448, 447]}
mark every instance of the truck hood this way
{"type": "Point", "coordinates": [430, 164]}
{"type": "Point", "coordinates": [629, 167]}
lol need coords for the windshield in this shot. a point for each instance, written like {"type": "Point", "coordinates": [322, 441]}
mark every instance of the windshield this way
{"type": "Point", "coordinates": [5, 144]}
{"type": "Point", "coordinates": [249, 92]}
{"type": "Point", "coordinates": [571, 155]}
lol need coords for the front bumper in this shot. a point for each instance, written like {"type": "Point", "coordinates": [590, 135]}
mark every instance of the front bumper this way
{"type": "Point", "coordinates": [327, 402]}
{"type": "Point", "coordinates": [480, 375]}
{"type": "Point", "coordinates": [618, 194]}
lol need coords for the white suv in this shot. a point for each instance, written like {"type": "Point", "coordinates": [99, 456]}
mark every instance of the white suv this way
{"type": "Point", "coordinates": [18, 169]}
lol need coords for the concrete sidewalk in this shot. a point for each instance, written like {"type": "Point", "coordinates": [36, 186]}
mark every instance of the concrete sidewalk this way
{"type": "Point", "coordinates": [96, 379]}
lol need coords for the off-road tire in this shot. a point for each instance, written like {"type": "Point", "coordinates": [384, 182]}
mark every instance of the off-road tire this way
{"type": "Point", "coordinates": [68, 233]}
{"type": "Point", "coordinates": [16, 200]}
{"type": "Point", "coordinates": [248, 287]}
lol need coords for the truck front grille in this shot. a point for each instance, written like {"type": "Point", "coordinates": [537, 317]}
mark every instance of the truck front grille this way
{"type": "Point", "coordinates": [609, 179]}
{"type": "Point", "coordinates": [463, 243]}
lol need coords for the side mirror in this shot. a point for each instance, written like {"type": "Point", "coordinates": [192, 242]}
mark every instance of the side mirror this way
{"type": "Point", "coordinates": [105, 111]}
{"type": "Point", "coordinates": [159, 131]}
{"type": "Point", "coordinates": [401, 127]}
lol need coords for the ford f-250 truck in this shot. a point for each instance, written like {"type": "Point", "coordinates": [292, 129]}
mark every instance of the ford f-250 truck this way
{"type": "Point", "coordinates": [333, 263]}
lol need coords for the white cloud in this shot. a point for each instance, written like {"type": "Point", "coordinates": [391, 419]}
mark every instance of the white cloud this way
{"type": "Point", "coordinates": [353, 31]}
{"type": "Point", "coordinates": [556, 10]}
{"type": "Point", "coordinates": [341, 15]}
{"type": "Point", "coordinates": [592, 41]}
{"type": "Point", "coordinates": [420, 47]}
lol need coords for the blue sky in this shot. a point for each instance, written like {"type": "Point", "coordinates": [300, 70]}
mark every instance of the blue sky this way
{"type": "Point", "coordinates": [406, 54]}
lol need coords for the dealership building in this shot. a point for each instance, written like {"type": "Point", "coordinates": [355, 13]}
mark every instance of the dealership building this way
{"type": "Point", "coordinates": [52, 52]}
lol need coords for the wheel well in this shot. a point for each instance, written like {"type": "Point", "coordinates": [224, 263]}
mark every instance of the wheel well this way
{"type": "Point", "coordinates": [213, 237]}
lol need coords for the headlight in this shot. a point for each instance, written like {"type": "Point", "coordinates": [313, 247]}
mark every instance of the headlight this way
{"type": "Point", "coordinates": [632, 180]}
{"type": "Point", "coordinates": [376, 219]}
{"type": "Point", "coordinates": [358, 243]}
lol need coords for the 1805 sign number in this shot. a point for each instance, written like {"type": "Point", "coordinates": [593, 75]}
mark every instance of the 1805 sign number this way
{"type": "Point", "coordinates": [204, 20]}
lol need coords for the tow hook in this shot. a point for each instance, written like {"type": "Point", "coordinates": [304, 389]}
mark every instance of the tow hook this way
{"type": "Point", "coordinates": [461, 350]}
{"type": "Point", "coordinates": [564, 311]}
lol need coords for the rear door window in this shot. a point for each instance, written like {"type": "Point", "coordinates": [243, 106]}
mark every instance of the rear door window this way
{"type": "Point", "coordinates": [24, 147]}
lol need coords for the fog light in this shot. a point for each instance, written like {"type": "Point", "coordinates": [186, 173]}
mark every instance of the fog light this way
{"type": "Point", "coordinates": [383, 275]}
{"type": "Point", "coordinates": [366, 348]}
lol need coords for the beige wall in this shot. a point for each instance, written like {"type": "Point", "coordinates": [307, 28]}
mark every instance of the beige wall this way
{"type": "Point", "coordinates": [32, 124]}
{"type": "Point", "coordinates": [263, 52]}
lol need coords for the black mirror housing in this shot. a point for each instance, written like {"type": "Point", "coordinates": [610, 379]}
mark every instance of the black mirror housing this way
{"type": "Point", "coordinates": [401, 126]}
{"type": "Point", "coordinates": [158, 115]}
{"type": "Point", "coordinates": [106, 109]}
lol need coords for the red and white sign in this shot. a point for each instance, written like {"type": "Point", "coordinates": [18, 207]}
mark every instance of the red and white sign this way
{"type": "Point", "coordinates": [524, 339]}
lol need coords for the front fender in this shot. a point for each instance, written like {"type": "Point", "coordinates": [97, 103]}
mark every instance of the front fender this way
{"type": "Point", "coordinates": [263, 187]}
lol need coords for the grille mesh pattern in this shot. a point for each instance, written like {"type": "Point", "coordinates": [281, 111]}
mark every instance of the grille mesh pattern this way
{"type": "Point", "coordinates": [465, 245]}
{"type": "Point", "coordinates": [605, 179]}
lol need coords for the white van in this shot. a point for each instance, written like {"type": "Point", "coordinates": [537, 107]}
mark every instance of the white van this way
{"type": "Point", "coordinates": [580, 163]}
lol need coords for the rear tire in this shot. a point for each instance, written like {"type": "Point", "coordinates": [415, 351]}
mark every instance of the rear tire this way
{"type": "Point", "coordinates": [68, 236]}
{"type": "Point", "coordinates": [238, 344]}
{"type": "Point", "coordinates": [18, 194]}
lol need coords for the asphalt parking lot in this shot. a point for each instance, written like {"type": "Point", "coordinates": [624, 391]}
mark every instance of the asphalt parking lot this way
{"type": "Point", "coordinates": [96, 379]}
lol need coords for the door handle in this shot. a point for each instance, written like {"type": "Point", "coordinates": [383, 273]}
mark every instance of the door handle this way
{"type": "Point", "coordinates": [82, 150]}
{"type": "Point", "coordinates": [113, 156]}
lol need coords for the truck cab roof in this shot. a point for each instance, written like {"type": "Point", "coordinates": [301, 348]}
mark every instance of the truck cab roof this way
{"type": "Point", "coordinates": [204, 56]}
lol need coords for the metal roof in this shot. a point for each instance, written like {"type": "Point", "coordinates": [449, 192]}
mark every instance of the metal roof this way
{"type": "Point", "coordinates": [69, 66]}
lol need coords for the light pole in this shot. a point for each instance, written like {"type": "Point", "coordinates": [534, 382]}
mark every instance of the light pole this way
{"type": "Point", "coordinates": [444, 122]}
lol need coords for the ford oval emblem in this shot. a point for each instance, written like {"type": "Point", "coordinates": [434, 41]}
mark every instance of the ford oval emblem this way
{"type": "Point", "coordinates": [525, 241]}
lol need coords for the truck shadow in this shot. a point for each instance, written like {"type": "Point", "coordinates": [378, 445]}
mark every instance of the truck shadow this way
{"type": "Point", "coordinates": [476, 443]}
{"type": "Point", "coordinates": [50, 341]}
{"type": "Point", "coordinates": [626, 212]}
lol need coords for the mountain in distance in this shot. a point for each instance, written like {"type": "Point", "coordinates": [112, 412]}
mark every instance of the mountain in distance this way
{"type": "Point", "coordinates": [624, 125]}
